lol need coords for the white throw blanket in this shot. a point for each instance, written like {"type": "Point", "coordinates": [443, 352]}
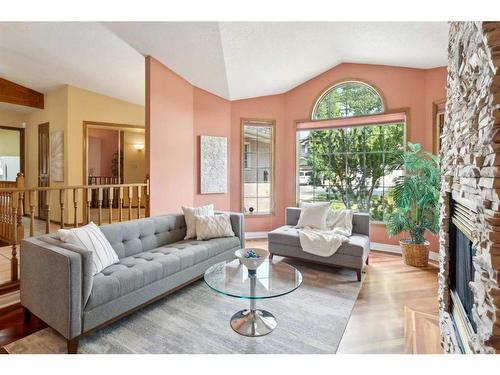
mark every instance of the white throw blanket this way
{"type": "Point", "coordinates": [325, 243]}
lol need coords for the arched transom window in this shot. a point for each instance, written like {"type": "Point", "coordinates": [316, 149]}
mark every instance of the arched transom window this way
{"type": "Point", "coordinates": [348, 99]}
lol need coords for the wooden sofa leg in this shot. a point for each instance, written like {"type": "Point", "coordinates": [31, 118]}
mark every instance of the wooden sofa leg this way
{"type": "Point", "coordinates": [367, 258]}
{"type": "Point", "coordinates": [73, 345]}
{"type": "Point", "coordinates": [358, 273]}
{"type": "Point", "coordinates": [271, 256]}
{"type": "Point", "coordinates": [26, 315]}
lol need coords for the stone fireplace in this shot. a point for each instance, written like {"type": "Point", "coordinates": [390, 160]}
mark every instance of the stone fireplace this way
{"type": "Point", "coordinates": [469, 252]}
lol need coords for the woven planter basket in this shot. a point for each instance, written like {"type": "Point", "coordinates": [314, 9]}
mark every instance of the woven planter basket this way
{"type": "Point", "coordinates": [415, 255]}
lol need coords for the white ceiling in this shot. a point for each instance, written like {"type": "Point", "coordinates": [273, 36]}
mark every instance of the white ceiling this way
{"type": "Point", "coordinates": [234, 60]}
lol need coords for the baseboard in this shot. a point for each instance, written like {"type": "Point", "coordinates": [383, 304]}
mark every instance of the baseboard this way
{"type": "Point", "coordinates": [397, 250]}
{"type": "Point", "coordinates": [255, 235]}
{"type": "Point", "coordinates": [9, 299]}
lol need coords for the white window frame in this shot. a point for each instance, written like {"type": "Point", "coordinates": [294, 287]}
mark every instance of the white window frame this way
{"type": "Point", "coordinates": [256, 123]}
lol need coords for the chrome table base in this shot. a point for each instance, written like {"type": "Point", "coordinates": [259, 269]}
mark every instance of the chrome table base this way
{"type": "Point", "coordinates": [253, 323]}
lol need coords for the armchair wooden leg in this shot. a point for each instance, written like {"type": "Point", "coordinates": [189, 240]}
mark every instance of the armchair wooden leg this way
{"type": "Point", "coordinates": [358, 273]}
{"type": "Point", "coordinates": [368, 257]}
{"type": "Point", "coordinates": [26, 315]}
{"type": "Point", "coordinates": [271, 256]}
{"type": "Point", "coordinates": [73, 345]}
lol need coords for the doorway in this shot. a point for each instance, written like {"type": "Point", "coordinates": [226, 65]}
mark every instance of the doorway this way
{"type": "Point", "coordinates": [113, 154]}
{"type": "Point", "coordinates": [43, 167]}
{"type": "Point", "coordinates": [11, 153]}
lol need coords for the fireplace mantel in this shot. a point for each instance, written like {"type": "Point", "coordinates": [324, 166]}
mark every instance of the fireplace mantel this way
{"type": "Point", "coordinates": [470, 167]}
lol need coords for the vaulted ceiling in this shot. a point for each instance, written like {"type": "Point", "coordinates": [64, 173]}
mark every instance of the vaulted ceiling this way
{"type": "Point", "coordinates": [234, 60]}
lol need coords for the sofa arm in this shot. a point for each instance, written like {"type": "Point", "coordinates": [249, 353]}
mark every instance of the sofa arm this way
{"type": "Point", "coordinates": [51, 285]}
{"type": "Point", "coordinates": [292, 215]}
{"type": "Point", "coordinates": [361, 223]}
{"type": "Point", "coordinates": [238, 224]}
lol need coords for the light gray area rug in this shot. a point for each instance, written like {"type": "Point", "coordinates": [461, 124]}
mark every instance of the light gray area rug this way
{"type": "Point", "coordinates": [311, 319]}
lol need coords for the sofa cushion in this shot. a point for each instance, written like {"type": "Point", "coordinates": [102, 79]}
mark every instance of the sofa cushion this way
{"type": "Point", "coordinates": [289, 235]}
{"type": "Point", "coordinates": [133, 237]}
{"type": "Point", "coordinates": [139, 270]}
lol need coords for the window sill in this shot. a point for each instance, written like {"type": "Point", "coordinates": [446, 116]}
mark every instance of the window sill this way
{"type": "Point", "coordinates": [375, 222]}
{"type": "Point", "coordinates": [259, 215]}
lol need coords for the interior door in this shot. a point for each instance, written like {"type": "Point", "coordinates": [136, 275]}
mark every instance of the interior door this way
{"type": "Point", "coordinates": [43, 166]}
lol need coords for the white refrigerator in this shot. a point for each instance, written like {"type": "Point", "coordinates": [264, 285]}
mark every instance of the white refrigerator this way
{"type": "Point", "coordinates": [10, 166]}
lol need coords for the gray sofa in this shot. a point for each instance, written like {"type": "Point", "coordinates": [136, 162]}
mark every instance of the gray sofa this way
{"type": "Point", "coordinates": [57, 284]}
{"type": "Point", "coordinates": [285, 241]}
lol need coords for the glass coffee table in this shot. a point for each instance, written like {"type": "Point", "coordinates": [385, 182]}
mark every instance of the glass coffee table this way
{"type": "Point", "coordinates": [270, 280]}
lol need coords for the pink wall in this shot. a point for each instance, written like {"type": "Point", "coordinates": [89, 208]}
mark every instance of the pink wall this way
{"type": "Point", "coordinates": [101, 157]}
{"type": "Point", "coordinates": [212, 116]}
{"type": "Point", "coordinates": [435, 89]}
{"type": "Point", "coordinates": [414, 89]}
{"type": "Point", "coordinates": [272, 108]}
{"type": "Point", "coordinates": [169, 138]}
{"type": "Point", "coordinates": [178, 113]}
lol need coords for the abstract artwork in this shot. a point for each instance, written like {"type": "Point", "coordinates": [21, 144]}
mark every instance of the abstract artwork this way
{"type": "Point", "coordinates": [213, 164]}
{"type": "Point", "coordinates": [57, 156]}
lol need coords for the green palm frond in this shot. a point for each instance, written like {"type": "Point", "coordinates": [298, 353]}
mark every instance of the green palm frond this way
{"type": "Point", "coordinates": [416, 195]}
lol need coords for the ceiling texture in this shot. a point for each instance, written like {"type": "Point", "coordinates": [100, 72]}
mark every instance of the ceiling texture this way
{"type": "Point", "coordinates": [234, 60]}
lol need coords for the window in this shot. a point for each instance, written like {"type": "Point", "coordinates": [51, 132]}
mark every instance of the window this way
{"type": "Point", "coordinates": [246, 152]}
{"type": "Point", "coordinates": [351, 167]}
{"type": "Point", "coordinates": [348, 99]}
{"type": "Point", "coordinates": [257, 167]}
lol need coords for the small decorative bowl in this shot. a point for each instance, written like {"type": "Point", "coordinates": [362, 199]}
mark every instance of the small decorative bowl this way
{"type": "Point", "coordinates": [252, 258]}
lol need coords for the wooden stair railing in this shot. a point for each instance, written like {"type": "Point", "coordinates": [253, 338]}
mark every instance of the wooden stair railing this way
{"type": "Point", "coordinates": [15, 197]}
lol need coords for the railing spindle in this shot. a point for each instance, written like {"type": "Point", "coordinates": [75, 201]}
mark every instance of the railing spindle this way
{"type": "Point", "coordinates": [62, 198]}
{"type": "Point", "coordinates": [75, 206]}
{"type": "Point", "coordinates": [13, 261]}
{"type": "Point", "coordinates": [147, 213]}
{"type": "Point", "coordinates": [139, 191]}
{"type": "Point", "coordinates": [32, 195]}
{"type": "Point", "coordinates": [47, 209]}
{"type": "Point", "coordinates": [89, 203]}
{"type": "Point", "coordinates": [129, 193]}
{"type": "Point", "coordinates": [99, 206]}
{"type": "Point", "coordinates": [120, 204]}
{"type": "Point", "coordinates": [110, 204]}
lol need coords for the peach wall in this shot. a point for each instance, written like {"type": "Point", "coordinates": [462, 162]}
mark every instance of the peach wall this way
{"type": "Point", "coordinates": [269, 108]}
{"type": "Point", "coordinates": [169, 138]}
{"type": "Point", "coordinates": [179, 113]}
{"type": "Point", "coordinates": [104, 156]}
{"type": "Point", "coordinates": [414, 89]}
{"type": "Point", "coordinates": [435, 89]}
{"type": "Point", "coordinates": [212, 116]}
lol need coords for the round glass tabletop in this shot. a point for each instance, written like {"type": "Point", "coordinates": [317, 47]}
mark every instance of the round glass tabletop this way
{"type": "Point", "coordinates": [270, 279]}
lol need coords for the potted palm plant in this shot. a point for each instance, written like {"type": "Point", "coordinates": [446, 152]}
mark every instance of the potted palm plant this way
{"type": "Point", "coordinates": [416, 201]}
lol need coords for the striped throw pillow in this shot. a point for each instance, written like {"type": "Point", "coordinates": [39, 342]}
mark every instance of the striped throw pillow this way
{"type": "Point", "coordinates": [90, 237]}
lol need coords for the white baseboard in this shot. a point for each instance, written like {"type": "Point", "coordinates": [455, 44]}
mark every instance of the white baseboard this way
{"type": "Point", "coordinates": [397, 250]}
{"type": "Point", "coordinates": [255, 235]}
{"type": "Point", "coordinates": [9, 299]}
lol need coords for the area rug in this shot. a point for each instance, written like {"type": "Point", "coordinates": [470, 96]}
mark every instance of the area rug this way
{"type": "Point", "coordinates": [195, 319]}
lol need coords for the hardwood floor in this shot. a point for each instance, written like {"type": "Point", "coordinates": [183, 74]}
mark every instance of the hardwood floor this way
{"type": "Point", "coordinates": [13, 327]}
{"type": "Point", "coordinates": [396, 310]}
{"type": "Point", "coordinates": [378, 320]}
{"type": "Point", "coordinates": [393, 296]}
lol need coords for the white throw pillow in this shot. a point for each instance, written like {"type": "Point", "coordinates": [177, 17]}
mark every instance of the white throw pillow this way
{"type": "Point", "coordinates": [189, 214]}
{"type": "Point", "coordinates": [208, 227]}
{"type": "Point", "coordinates": [313, 215]}
{"type": "Point", "coordinates": [90, 237]}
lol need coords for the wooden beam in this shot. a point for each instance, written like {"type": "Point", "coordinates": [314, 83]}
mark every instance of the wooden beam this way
{"type": "Point", "coordinates": [13, 93]}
